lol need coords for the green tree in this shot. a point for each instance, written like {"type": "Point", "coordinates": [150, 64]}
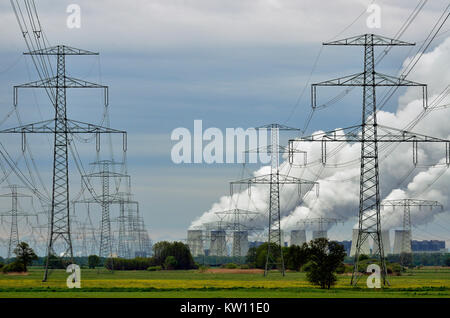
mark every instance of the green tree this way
{"type": "Point", "coordinates": [447, 261]}
{"type": "Point", "coordinates": [93, 261]}
{"type": "Point", "coordinates": [250, 258]}
{"type": "Point", "coordinates": [178, 250]}
{"type": "Point", "coordinates": [24, 254]}
{"type": "Point", "coordinates": [170, 263]}
{"type": "Point", "coordinates": [325, 258]}
{"type": "Point", "coordinates": [297, 256]}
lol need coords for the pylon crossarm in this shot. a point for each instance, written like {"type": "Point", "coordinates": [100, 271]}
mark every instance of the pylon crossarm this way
{"type": "Point", "coordinates": [359, 80]}
{"type": "Point", "coordinates": [73, 127]}
{"type": "Point", "coordinates": [55, 82]}
{"type": "Point", "coordinates": [372, 39]}
{"type": "Point", "coordinates": [266, 179]}
{"type": "Point", "coordinates": [278, 127]}
{"type": "Point", "coordinates": [411, 202]}
{"type": "Point", "coordinates": [61, 50]}
{"type": "Point", "coordinates": [353, 134]}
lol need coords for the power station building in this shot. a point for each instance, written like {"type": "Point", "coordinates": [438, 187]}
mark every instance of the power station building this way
{"type": "Point", "coordinates": [240, 243]}
{"type": "Point", "coordinates": [195, 242]}
{"type": "Point", "coordinates": [298, 237]}
{"type": "Point", "coordinates": [218, 243]}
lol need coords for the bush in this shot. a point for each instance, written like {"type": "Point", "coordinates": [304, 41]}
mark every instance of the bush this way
{"type": "Point", "coordinates": [340, 269]}
{"type": "Point", "coordinates": [231, 266]}
{"type": "Point", "coordinates": [170, 263]}
{"type": "Point", "coordinates": [245, 266]}
{"type": "Point", "coordinates": [447, 261]}
{"type": "Point", "coordinates": [154, 268]}
{"type": "Point", "coordinates": [93, 261]}
{"type": "Point", "coordinates": [122, 264]}
{"type": "Point", "coordinates": [14, 267]}
{"type": "Point", "coordinates": [178, 250]}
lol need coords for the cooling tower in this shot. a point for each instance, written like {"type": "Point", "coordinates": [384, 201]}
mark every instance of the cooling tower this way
{"type": "Point", "coordinates": [195, 242]}
{"type": "Point", "coordinates": [274, 234]}
{"type": "Point", "coordinates": [240, 243]}
{"type": "Point", "coordinates": [385, 238]}
{"type": "Point", "coordinates": [401, 235]}
{"type": "Point", "coordinates": [218, 245]}
{"type": "Point", "coordinates": [298, 237]}
{"type": "Point", "coordinates": [319, 234]}
{"type": "Point", "coordinates": [365, 248]}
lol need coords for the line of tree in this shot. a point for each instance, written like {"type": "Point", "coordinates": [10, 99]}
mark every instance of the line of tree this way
{"type": "Point", "coordinates": [320, 258]}
{"type": "Point", "coordinates": [167, 255]}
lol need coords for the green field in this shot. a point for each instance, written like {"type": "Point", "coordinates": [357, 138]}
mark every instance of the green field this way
{"type": "Point", "coordinates": [193, 283]}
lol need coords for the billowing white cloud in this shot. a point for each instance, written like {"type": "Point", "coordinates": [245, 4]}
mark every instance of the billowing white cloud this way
{"type": "Point", "coordinates": [339, 185]}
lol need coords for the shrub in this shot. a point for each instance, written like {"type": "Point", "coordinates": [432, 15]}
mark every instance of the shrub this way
{"type": "Point", "coordinates": [245, 266]}
{"type": "Point", "coordinates": [170, 263]}
{"type": "Point", "coordinates": [14, 267]}
{"type": "Point", "coordinates": [154, 268]}
{"type": "Point", "coordinates": [93, 261]}
{"type": "Point", "coordinates": [122, 264]}
{"type": "Point", "coordinates": [178, 250]}
{"type": "Point", "coordinates": [231, 266]}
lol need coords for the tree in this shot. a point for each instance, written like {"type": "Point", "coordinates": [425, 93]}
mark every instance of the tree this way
{"type": "Point", "coordinates": [93, 261]}
{"type": "Point", "coordinates": [296, 256]}
{"type": "Point", "coordinates": [24, 254]}
{"type": "Point", "coordinates": [447, 261]}
{"type": "Point", "coordinates": [178, 250]}
{"type": "Point", "coordinates": [325, 258]}
{"type": "Point", "coordinates": [170, 263]}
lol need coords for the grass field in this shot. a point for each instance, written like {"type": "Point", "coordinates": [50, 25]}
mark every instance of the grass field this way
{"type": "Point", "coordinates": [192, 284]}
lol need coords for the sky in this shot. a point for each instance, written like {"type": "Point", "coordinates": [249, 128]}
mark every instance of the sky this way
{"type": "Point", "coordinates": [234, 63]}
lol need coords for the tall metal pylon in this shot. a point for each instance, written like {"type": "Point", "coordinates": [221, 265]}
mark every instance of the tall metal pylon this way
{"type": "Point", "coordinates": [105, 199]}
{"type": "Point", "coordinates": [406, 251]}
{"type": "Point", "coordinates": [239, 225]}
{"type": "Point", "coordinates": [61, 127]}
{"type": "Point", "coordinates": [274, 179]}
{"type": "Point", "coordinates": [369, 134]}
{"type": "Point", "coordinates": [320, 222]}
{"type": "Point", "coordinates": [14, 238]}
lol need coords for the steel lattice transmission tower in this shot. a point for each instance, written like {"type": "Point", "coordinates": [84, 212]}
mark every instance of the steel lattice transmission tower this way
{"type": "Point", "coordinates": [406, 251]}
{"type": "Point", "coordinates": [14, 213]}
{"type": "Point", "coordinates": [61, 127]}
{"type": "Point", "coordinates": [238, 227]}
{"type": "Point", "coordinates": [370, 134]}
{"type": "Point", "coordinates": [105, 199]}
{"type": "Point", "coordinates": [274, 179]}
{"type": "Point", "coordinates": [321, 222]}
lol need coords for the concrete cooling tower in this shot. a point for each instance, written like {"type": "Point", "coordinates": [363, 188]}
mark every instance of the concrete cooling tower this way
{"type": "Point", "coordinates": [195, 242]}
{"type": "Point", "coordinates": [240, 243]}
{"type": "Point", "coordinates": [298, 237]}
{"type": "Point", "coordinates": [218, 245]}
{"type": "Point", "coordinates": [385, 238]}
{"type": "Point", "coordinates": [401, 235]}
{"type": "Point", "coordinates": [365, 249]}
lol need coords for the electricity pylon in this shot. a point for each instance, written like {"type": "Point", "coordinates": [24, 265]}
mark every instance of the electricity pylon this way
{"type": "Point", "coordinates": [274, 179]}
{"type": "Point", "coordinates": [238, 226]}
{"type": "Point", "coordinates": [105, 199]}
{"type": "Point", "coordinates": [406, 251]}
{"type": "Point", "coordinates": [369, 134]}
{"type": "Point", "coordinates": [61, 127]}
{"type": "Point", "coordinates": [321, 222]}
{"type": "Point", "coordinates": [14, 213]}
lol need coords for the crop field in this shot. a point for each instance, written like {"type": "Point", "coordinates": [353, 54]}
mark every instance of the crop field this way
{"type": "Point", "coordinates": [431, 282]}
